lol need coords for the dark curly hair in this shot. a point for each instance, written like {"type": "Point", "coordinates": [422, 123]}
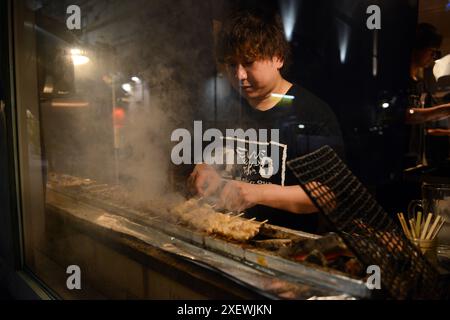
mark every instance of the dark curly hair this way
{"type": "Point", "coordinates": [248, 36]}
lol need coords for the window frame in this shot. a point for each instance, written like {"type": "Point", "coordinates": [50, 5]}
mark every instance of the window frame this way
{"type": "Point", "coordinates": [20, 281]}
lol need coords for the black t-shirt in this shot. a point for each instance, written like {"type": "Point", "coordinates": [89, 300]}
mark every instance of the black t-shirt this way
{"type": "Point", "coordinates": [303, 123]}
{"type": "Point", "coordinates": [414, 139]}
{"type": "Point", "coordinates": [418, 145]}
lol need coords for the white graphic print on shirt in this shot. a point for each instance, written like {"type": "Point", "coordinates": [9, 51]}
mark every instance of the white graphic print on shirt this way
{"type": "Point", "coordinates": [256, 162]}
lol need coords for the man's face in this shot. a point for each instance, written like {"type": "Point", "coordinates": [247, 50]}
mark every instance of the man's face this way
{"type": "Point", "coordinates": [426, 57]}
{"type": "Point", "coordinates": [255, 79]}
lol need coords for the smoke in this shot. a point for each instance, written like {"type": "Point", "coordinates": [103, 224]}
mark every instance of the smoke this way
{"type": "Point", "coordinates": [145, 165]}
{"type": "Point", "coordinates": [170, 50]}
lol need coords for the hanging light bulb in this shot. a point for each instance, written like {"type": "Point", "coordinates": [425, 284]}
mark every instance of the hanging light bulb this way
{"type": "Point", "coordinates": [78, 57]}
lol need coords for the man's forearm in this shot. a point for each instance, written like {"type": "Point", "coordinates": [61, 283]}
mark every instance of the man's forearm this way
{"type": "Point", "coordinates": [291, 198]}
{"type": "Point", "coordinates": [421, 115]}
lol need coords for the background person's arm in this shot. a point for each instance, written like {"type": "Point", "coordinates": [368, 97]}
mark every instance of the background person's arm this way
{"type": "Point", "coordinates": [439, 132]}
{"type": "Point", "coordinates": [422, 115]}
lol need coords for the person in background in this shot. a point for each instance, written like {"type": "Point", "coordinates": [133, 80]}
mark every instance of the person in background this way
{"type": "Point", "coordinates": [423, 108]}
{"type": "Point", "coordinates": [253, 51]}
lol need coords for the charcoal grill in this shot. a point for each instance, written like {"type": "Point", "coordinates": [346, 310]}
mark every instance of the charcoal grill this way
{"type": "Point", "coordinates": [262, 253]}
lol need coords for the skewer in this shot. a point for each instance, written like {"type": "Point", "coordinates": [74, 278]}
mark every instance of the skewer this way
{"type": "Point", "coordinates": [405, 224]}
{"type": "Point", "coordinates": [264, 222]}
{"type": "Point", "coordinates": [413, 232]}
{"type": "Point", "coordinates": [239, 215]}
{"type": "Point", "coordinates": [433, 227]}
{"type": "Point", "coordinates": [252, 219]}
{"type": "Point", "coordinates": [425, 228]}
{"type": "Point", "coordinates": [418, 224]}
{"type": "Point", "coordinates": [441, 224]}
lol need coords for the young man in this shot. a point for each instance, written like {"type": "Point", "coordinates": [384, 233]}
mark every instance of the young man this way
{"type": "Point", "coordinates": [253, 50]}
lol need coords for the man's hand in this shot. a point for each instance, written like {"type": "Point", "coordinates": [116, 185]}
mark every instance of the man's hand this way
{"type": "Point", "coordinates": [237, 196]}
{"type": "Point", "coordinates": [204, 180]}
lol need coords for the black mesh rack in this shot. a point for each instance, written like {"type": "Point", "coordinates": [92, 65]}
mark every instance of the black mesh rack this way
{"type": "Point", "coordinates": [373, 236]}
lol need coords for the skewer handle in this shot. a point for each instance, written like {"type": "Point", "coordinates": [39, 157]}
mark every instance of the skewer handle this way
{"type": "Point", "coordinates": [418, 224]}
{"type": "Point", "coordinates": [404, 225]}
{"type": "Point", "coordinates": [425, 228]}
{"type": "Point", "coordinates": [441, 224]}
{"type": "Point", "coordinates": [433, 227]}
{"type": "Point", "coordinates": [413, 232]}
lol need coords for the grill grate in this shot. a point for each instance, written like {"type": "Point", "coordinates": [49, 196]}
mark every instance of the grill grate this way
{"type": "Point", "coordinates": [372, 235]}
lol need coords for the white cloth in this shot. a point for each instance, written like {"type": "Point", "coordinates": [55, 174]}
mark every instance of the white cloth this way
{"type": "Point", "coordinates": [442, 67]}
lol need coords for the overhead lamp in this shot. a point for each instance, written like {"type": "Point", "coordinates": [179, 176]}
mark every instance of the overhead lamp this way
{"type": "Point", "coordinates": [127, 87]}
{"type": "Point", "coordinates": [136, 79]}
{"type": "Point", "coordinates": [78, 57]}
